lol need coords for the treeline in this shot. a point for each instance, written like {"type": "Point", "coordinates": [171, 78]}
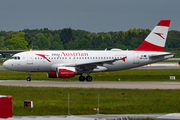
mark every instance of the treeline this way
{"type": "Point", "coordinates": [67, 38]}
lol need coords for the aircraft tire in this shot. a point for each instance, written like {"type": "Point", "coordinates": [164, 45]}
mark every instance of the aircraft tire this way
{"type": "Point", "coordinates": [89, 78]}
{"type": "Point", "coordinates": [28, 79]}
{"type": "Point", "coordinates": [81, 78]}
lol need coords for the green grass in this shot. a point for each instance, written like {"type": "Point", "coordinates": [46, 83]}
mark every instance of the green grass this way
{"type": "Point", "coordinates": [177, 53]}
{"type": "Point", "coordinates": [125, 75]}
{"type": "Point", "coordinates": [54, 101]}
{"type": "Point", "coordinates": [170, 61]}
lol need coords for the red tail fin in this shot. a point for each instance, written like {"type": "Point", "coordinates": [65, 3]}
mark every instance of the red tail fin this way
{"type": "Point", "coordinates": [156, 40]}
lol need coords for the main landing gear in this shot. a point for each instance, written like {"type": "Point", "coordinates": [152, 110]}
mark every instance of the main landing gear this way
{"type": "Point", "coordinates": [29, 76]}
{"type": "Point", "coordinates": [82, 78]}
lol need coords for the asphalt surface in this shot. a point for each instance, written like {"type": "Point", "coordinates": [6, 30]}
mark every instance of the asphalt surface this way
{"type": "Point", "coordinates": [87, 117]}
{"type": "Point", "coordinates": [2, 68]}
{"type": "Point", "coordinates": [157, 67]}
{"type": "Point", "coordinates": [95, 84]}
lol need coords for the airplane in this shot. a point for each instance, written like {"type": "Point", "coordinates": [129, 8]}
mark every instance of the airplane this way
{"type": "Point", "coordinates": [68, 63]}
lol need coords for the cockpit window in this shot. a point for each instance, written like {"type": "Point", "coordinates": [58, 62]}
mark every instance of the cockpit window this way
{"type": "Point", "coordinates": [15, 57]}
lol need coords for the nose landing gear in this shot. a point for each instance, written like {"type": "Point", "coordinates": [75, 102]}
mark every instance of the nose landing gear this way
{"type": "Point", "coordinates": [29, 76]}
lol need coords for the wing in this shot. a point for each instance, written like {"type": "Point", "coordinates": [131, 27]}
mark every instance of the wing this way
{"type": "Point", "coordinates": [93, 66]}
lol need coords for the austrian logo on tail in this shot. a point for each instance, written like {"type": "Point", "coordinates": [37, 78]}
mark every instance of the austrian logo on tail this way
{"type": "Point", "coordinates": [44, 56]}
{"type": "Point", "coordinates": [159, 34]}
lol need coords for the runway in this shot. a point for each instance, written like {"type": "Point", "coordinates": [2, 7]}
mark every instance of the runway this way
{"type": "Point", "coordinates": [95, 84]}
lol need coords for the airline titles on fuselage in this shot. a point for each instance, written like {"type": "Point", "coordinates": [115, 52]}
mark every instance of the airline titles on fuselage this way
{"type": "Point", "coordinates": [70, 54]}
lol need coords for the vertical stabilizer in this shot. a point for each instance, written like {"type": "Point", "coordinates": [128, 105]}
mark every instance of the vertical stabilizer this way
{"type": "Point", "coordinates": [156, 40]}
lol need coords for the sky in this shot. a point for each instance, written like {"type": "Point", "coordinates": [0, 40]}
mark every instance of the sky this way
{"type": "Point", "coordinates": [90, 15]}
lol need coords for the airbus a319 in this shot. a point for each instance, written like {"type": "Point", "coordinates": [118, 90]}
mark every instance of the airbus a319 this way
{"type": "Point", "coordinates": [66, 64]}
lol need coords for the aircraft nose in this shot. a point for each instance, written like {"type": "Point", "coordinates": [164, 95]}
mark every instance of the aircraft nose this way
{"type": "Point", "coordinates": [6, 64]}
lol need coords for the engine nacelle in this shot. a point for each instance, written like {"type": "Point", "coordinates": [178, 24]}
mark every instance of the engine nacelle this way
{"type": "Point", "coordinates": [51, 75]}
{"type": "Point", "coordinates": [65, 72]}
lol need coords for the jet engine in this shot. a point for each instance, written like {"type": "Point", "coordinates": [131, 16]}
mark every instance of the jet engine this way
{"type": "Point", "coordinates": [65, 72]}
{"type": "Point", "coordinates": [62, 72]}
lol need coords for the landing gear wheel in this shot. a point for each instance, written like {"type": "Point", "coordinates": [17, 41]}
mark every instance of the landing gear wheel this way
{"type": "Point", "coordinates": [29, 76]}
{"type": "Point", "coordinates": [28, 79]}
{"type": "Point", "coordinates": [81, 78]}
{"type": "Point", "coordinates": [88, 78]}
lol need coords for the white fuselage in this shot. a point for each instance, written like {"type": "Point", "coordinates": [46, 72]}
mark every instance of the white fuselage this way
{"type": "Point", "coordinates": [34, 61]}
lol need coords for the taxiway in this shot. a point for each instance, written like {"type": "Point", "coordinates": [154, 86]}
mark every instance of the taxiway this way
{"type": "Point", "coordinates": [95, 84]}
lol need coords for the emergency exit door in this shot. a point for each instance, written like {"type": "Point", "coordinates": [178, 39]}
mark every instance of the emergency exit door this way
{"type": "Point", "coordinates": [29, 58]}
{"type": "Point", "coordinates": [135, 58]}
